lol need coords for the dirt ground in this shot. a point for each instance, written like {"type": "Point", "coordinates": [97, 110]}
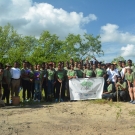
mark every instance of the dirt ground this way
{"type": "Point", "coordinates": [69, 118]}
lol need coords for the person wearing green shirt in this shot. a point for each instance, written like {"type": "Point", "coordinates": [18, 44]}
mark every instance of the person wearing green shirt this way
{"type": "Point", "coordinates": [44, 79]}
{"type": "Point", "coordinates": [25, 81]}
{"type": "Point", "coordinates": [60, 90]}
{"type": "Point", "coordinates": [129, 76]}
{"type": "Point", "coordinates": [109, 93]}
{"type": "Point", "coordinates": [100, 72]}
{"type": "Point", "coordinates": [71, 73]}
{"type": "Point", "coordinates": [88, 73]}
{"type": "Point", "coordinates": [6, 83]}
{"type": "Point", "coordinates": [121, 87]}
{"type": "Point", "coordinates": [51, 81]}
{"type": "Point", "coordinates": [131, 66]}
{"type": "Point", "coordinates": [79, 71]}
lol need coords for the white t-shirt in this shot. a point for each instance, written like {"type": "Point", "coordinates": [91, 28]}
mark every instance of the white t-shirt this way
{"type": "Point", "coordinates": [112, 74]}
{"type": "Point", "coordinates": [123, 71]}
{"type": "Point", "coordinates": [15, 73]}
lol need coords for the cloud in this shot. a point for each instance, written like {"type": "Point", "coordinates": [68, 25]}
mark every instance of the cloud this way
{"type": "Point", "coordinates": [128, 51]}
{"type": "Point", "coordinates": [111, 33]}
{"type": "Point", "coordinates": [32, 18]}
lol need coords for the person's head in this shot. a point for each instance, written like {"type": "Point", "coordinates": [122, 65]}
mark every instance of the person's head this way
{"type": "Point", "coordinates": [76, 63]}
{"type": "Point", "coordinates": [38, 66]}
{"type": "Point", "coordinates": [59, 67]}
{"type": "Point", "coordinates": [128, 70]}
{"type": "Point", "coordinates": [79, 66]}
{"type": "Point", "coordinates": [103, 66]}
{"type": "Point", "coordinates": [43, 65]}
{"type": "Point", "coordinates": [88, 66]}
{"type": "Point", "coordinates": [46, 65]}
{"type": "Point", "coordinates": [123, 64]}
{"type": "Point", "coordinates": [129, 62]}
{"type": "Point", "coordinates": [51, 65]}
{"type": "Point", "coordinates": [35, 67]}
{"type": "Point", "coordinates": [62, 64]}
{"type": "Point", "coordinates": [120, 63]}
{"type": "Point", "coordinates": [84, 67]}
{"type": "Point", "coordinates": [7, 66]}
{"type": "Point", "coordinates": [24, 64]}
{"type": "Point", "coordinates": [71, 61]}
{"type": "Point", "coordinates": [54, 64]}
{"type": "Point", "coordinates": [72, 67]}
{"type": "Point", "coordinates": [31, 67]}
{"type": "Point", "coordinates": [99, 65]}
{"type": "Point", "coordinates": [119, 79]}
{"type": "Point", "coordinates": [112, 67]}
{"type": "Point", "coordinates": [16, 64]}
{"type": "Point", "coordinates": [94, 66]}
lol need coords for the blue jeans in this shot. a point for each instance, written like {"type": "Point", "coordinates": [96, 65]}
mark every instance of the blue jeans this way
{"type": "Point", "coordinates": [50, 87]}
{"type": "Point", "coordinates": [37, 94]}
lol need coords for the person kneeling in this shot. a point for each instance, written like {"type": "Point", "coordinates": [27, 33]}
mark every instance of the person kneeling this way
{"type": "Point", "coordinates": [109, 93]}
{"type": "Point", "coordinates": [121, 88]}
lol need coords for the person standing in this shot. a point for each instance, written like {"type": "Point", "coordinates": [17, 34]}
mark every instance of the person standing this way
{"type": "Point", "coordinates": [60, 88]}
{"type": "Point", "coordinates": [38, 84]}
{"type": "Point", "coordinates": [51, 81]}
{"type": "Point", "coordinates": [99, 71]}
{"type": "Point", "coordinates": [6, 83]}
{"type": "Point", "coordinates": [25, 81]}
{"type": "Point", "coordinates": [129, 76]}
{"type": "Point", "coordinates": [88, 72]}
{"type": "Point", "coordinates": [15, 79]}
{"type": "Point", "coordinates": [79, 71]}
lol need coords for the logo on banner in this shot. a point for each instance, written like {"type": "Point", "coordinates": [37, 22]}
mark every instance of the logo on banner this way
{"type": "Point", "coordinates": [86, 85]}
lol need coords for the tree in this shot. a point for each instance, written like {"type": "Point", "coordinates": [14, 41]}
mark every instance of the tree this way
{"type": "Point", "coordinates": [117, 59]}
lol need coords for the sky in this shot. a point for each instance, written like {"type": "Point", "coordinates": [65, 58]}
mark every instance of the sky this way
{"type": "Point", "coordinates": [113, 20]}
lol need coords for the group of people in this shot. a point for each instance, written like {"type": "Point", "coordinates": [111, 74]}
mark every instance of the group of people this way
{"type": "Point", "coordinates": [54, 81]}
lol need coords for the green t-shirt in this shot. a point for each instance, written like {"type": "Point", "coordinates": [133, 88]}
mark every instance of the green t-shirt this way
{"type": "Point", "coordinates": [88, 72]}
{"type": "Point", "coordinates": [6, 74]}
{"type": "Point", "coordinates": [80, 73]}
{"type": "Point", "coordinates": [71, 73]}
{"type": "Point", "coordinates": [25, 72]}
{"type": "Point", "coordinates": [60, 74]}
{"type": "Point", "coordinates": [119, 68]}
{"type": "Point", "coordinates": [110, 88]}
{"type": "Point", "coordinates": [124, 85]}
{"type": "Point", "coordinates": [133, 68]}
{"type": "Point", "coordinates": [43, 73]}
{"type": "Point", "coordinates": [130, 77]}
{"type": "Point", "coordinates": [99, 72]}
{"type": "Point", "coordinates": [51, 74]}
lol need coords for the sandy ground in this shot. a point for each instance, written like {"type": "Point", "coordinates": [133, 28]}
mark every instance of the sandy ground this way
{"type": "Point", "coordinates": [69, 118]}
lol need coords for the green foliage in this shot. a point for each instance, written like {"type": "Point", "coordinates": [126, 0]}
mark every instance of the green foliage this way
{"type": "Point", "coordinates": [15, 47]}
{"type": "Point", "coordinates": [117, 59]}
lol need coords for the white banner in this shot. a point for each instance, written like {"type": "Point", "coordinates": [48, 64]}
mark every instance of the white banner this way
{"type": "Point", "coordinates": [85, 88]}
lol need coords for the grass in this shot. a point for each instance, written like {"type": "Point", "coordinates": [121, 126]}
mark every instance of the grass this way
{"type": "Point", "coordinates": [132, 113]}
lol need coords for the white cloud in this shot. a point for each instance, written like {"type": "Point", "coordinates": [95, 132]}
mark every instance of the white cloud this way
{"type": "Point", "coordinates": [32, 18]}
{"type": "Point", "coordinates": [128, 51]}
{"type": "Point", "coordinates": [111, 33]}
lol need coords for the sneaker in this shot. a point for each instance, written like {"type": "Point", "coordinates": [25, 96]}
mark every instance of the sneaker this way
{"type": "Point", "coordinates": [35, 100]}
{"type": "Point", "coordinates": [61, 100]}
{"type": "Point", "coordinates": [56, 100]}
{"type": "Point", "coordinates": [38, 101]}
{"type": "Point", "coordinates": [133, 102]}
